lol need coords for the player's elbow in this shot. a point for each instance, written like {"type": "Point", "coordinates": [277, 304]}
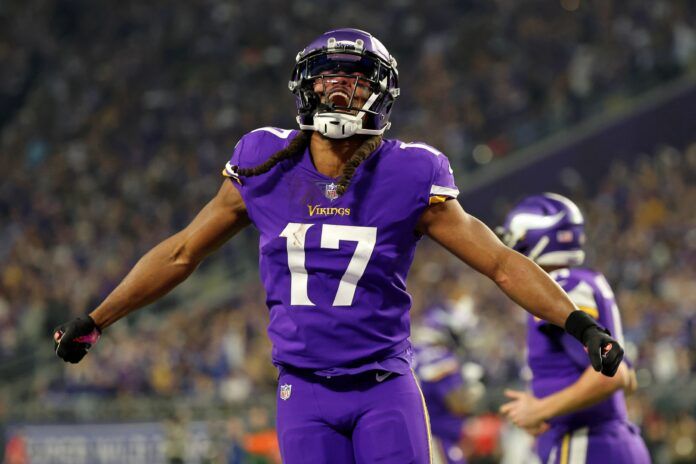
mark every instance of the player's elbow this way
{"type": "Point", "coordinates": [180, 254]}
{"type": "Point", "coordinates": [510, 268]}
{"type": "Point", "coordinates": [501, 278]}
{"type": "Point", "coordinates": [179, 257]}
{"type": "Point", "coordinates": [500, 269]}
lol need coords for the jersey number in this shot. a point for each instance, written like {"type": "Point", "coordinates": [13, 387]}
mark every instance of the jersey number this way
{"type": "Point", "coordinates": [331, 236]}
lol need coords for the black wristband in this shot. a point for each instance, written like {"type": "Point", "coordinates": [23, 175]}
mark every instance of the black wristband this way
{"type": "Point", "coordinates": [578, 322]}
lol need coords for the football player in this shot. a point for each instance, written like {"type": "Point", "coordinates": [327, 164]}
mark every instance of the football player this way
{"type": "Point", "coordinates": [579, 415]}
{"type": "Point", "coordinates": [340, 210]}
{"type": "Point", "coordinates": [450, 386]}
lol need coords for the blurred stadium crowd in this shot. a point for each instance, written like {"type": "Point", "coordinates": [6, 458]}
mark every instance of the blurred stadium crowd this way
{"type": "Point", "coordinates": [114, 125]}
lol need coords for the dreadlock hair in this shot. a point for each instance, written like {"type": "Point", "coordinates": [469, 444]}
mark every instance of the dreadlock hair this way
{"type": "Point", "coordinates": [363, 151]}
{"type": "Point", "coordinates": [297, 145]}
{"type": "Point", "coordinates": [300, 143]}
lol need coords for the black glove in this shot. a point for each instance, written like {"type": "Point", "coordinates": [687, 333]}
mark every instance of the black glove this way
{"type": "Point", "coordinates": [73, 339]}
{"type": "Point", "coordinates": [605, 352]}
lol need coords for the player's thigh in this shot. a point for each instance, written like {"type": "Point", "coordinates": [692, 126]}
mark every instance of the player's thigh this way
{"type": "Point", "coordinates": [615, 445]}
{"type": "Point", "coordinates": [315, 443]}
{"type": "Point", "coordinates": [303, 436]}
{"type": "Point", "coordinates": [394, 428]}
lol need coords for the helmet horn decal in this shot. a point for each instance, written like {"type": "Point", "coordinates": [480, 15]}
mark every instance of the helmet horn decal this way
{"type": "Point", "coordinates": [548, 228]}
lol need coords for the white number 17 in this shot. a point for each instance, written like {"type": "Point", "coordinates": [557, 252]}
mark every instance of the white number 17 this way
{"type": "Point", "coordinates": [331, 236]}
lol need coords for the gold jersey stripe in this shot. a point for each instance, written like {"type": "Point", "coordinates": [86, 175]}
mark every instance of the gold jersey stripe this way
{"type": "Point", "coordinates": [230, 176]}
{"type": "Point", "coordinates": [565, 449]}
{"type": "Point", "coordinates": [434, 199]}
{"type": "Point", "coordinates": [594, 312]}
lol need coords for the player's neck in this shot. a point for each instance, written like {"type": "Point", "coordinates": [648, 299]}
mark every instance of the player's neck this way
{"type": "Point", "coordinates": [329, 155]}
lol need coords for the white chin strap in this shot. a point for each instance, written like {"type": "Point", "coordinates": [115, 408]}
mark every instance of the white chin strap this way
{"type": "Point", "coordinates": [342, 125]}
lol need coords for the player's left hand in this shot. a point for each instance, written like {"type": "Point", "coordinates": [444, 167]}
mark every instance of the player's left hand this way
{"type": "Point", "coordinates": [524, 411]}
{"type": "Point", "coordinates": [73, 339]}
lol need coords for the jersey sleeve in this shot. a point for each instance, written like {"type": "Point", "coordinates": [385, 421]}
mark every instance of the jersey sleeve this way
{"type": "Point", "coordinates": [230, 169]}
{"type": "Point", "coordinates": [425, 172]}
{"type": "Point", "coordinates": [443, 186]}
{"type": "Point", "coordinates": [254, 148]}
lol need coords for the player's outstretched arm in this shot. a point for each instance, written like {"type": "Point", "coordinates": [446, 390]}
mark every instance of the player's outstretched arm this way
{"type": "Point", "coordinates": [519, 277]}
{"type": "Point", "coordinates": [529, 412]}
{"type": "Point", "coordinates": [160, 270]}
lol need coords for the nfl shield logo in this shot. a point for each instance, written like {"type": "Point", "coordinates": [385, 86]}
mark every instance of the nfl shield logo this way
{"type": "Point", "coordinates": [330, 191]}
{"type": "Point", "coordinates": [285, 391]}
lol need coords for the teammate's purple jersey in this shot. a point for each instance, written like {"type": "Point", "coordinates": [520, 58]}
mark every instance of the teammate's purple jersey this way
{"type": "Point", "coordinates": [334, 267]}
{"type": "Point", "coordinates": [439, 372]}
{"type": "Point", "coordinates": [557, 360]}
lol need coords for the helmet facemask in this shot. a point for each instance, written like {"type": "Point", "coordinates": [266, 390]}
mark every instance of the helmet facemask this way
{"type": "Point", "coordinates": [341, 90]}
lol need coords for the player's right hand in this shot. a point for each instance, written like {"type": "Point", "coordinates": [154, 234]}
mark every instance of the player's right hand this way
{"type": "Point", "coordinates": [73, 339]}
{"type": "Point", "coordinates": [604, 351]}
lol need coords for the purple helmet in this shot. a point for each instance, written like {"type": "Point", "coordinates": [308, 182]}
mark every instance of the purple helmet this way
{"type": "Point", "coordinates": [548, 228]}
{"type": "Point", "coordinates": [345, 52]}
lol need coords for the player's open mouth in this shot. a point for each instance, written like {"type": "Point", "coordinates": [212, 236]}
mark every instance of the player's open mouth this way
{"type": "Point", "coordinates": [339, 98]}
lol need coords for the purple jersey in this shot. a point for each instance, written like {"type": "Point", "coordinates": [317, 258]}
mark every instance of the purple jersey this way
{"type": "Point", "coordinates": [557, 360]}
{"type": "Point", "coordinates": [334, 267]}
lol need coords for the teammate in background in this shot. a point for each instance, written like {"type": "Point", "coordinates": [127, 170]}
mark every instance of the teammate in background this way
{"type": "Point", "coordinates": [340, 210]}
{"type": "Point", "coordinates": [579, 415]}
{"type": "Point", "coordinates": [449, 396]}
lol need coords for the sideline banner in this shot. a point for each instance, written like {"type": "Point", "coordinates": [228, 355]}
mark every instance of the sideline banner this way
{"type": "Point", "coordinates": [133, 443]}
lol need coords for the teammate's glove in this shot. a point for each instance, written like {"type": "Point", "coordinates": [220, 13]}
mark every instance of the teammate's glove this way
{"type": "Point", "coordinates": [73, 339]}
{"type": "Point", "coordinates": [605, 352]}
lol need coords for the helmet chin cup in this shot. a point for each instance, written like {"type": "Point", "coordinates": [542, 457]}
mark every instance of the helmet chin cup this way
{"type": "Point", "coordinates": [337, 125]}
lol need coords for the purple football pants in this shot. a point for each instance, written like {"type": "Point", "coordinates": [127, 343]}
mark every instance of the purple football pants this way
{"type": "Point", "coordinates": [606, 443]}
{"type": "Point", "coordinates": [352, 419]}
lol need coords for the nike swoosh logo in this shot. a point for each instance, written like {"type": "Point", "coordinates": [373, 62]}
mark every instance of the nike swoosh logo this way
{"type": "Point", "coordinates": [381, 377]}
